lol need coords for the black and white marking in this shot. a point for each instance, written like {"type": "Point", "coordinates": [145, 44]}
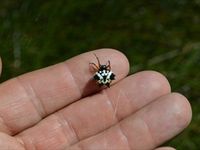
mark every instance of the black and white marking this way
{"type": "Point", "coordinates": [104, 76]}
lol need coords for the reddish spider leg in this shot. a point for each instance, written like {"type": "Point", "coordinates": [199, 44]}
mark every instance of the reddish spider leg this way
{"type": "Point", "coordinates": [109, 67]}
{"type": "Point", "coordinates": [94, 65]}
{"type": "Point", "coordinates": [97, 60]}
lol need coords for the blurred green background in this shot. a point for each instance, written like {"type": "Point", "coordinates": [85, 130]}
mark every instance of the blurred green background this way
{"type": "Point", "coordinates": [161, 35]}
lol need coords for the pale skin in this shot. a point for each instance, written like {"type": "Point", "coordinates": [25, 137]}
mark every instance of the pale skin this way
{"type": "Point", "coordinates": [61, 108]}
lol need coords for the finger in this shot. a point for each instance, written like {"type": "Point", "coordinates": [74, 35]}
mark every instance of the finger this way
{"type": "Point", "coordinates": [147, 129]}
{"type": "Point", "coordinates": [10, 143]}
{"type": "Point", "coordinates": [165, 148]}
{"type": "Point", "coordinates": [42, 92]}
{"type": "Point", "coordinates": [94, 114]}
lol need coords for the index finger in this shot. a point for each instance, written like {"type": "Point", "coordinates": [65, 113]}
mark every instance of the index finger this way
{"type": "Point", "coordinates": [27, 99]}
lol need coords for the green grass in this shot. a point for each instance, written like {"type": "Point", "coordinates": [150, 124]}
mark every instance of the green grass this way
{"type": "Point", "coordinates": [162, 36]}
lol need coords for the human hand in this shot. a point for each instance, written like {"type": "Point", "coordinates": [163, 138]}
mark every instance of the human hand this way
{"type": "Point", "coordinates": [59, 107]}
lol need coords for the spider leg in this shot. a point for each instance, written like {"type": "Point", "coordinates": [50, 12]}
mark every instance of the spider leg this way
{"type": "Point", "coordinates": [97, 59]}
{"type": "Point", "coordinates": [109, 67]}
{"type": "Point", "coordinates": [108, 85]}
{"type": "Point", "coordinates": [94, 66]}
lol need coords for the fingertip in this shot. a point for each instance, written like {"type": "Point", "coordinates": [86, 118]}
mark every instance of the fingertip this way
{"type": "Point", "coordinates": [174, 113]}
{"type": "Point", "coordinates": [154, 80]}
{"type": "Point", "coordinates": [182, 110]}
{"type": "Point", "coordinates": [160, 80]}
{"type": "Point", "coordinates": [180, 104]}
{"type": "Point", "coordinates": [165, 148]}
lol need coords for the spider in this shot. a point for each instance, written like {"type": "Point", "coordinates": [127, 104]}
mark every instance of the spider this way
{"type": "Point", "coordinates": [103, 74]}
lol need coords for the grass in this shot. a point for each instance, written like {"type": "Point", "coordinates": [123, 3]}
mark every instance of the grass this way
{"type": "Point", "coordinates": [162, 36]}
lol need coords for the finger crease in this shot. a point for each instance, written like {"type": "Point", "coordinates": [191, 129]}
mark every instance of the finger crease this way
{"type": "Point", "coordinates": [20, 141]}
{"type": "Point", "coordinates": [5, 124]}
{"type": "Point", "coordinates": [114, 107]}
{"type": "Point", "coordinates": [67, 124]}
{"type": "Point", "coordinates": [29, 142]}
{"type": "Point", "coordinates": [149, 132]}
{"type": "Point", "coordinates": [80, 146]}
{"type": "Point", "coordinates": [37, 103]}
{"type": "Point", "coordinates": [73, 78]}
{"type": "Point", "coordinates": [124, 135]}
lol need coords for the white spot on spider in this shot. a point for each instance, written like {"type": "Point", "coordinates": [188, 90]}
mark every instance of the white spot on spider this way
{"type": "Point", "coordinates": [104, 76]}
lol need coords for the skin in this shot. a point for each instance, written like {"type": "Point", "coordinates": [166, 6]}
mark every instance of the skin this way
{"type": "Point", "coordinates": [61, 108]}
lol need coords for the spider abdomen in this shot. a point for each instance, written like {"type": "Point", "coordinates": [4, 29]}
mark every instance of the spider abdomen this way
{"type": "Point", "coordinates": [104, 77]}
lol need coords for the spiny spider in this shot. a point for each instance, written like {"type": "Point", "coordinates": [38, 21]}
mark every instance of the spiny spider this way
{"type": "Point", "coordinates": [103, 74]}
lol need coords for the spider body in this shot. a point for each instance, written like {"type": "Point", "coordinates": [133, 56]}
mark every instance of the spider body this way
{"type": "Point", "coordinates": [103, 74]}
